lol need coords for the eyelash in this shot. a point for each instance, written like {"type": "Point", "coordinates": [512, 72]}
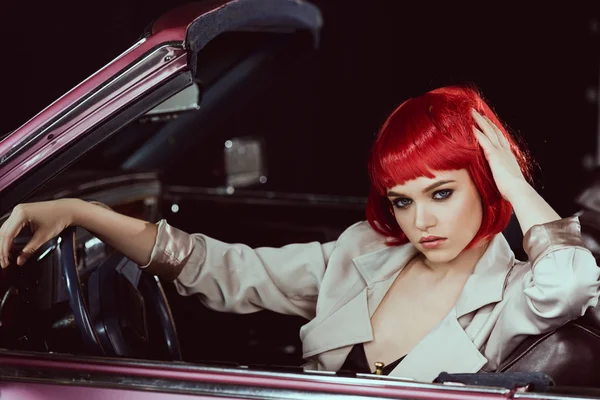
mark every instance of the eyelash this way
{"type": "Point", "coordinates": [396, 202]}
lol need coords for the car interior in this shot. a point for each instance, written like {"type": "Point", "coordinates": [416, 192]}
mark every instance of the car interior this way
{"type": "Point", "coordinates": [209, 162]}
{"type": "Point", "coordinates": [203, 171]}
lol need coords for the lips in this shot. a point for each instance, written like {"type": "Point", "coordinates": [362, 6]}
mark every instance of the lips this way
{"type": "Point", "coordinates": [430, 239]}
{"type": "Point", "coordinates": [432, 242]}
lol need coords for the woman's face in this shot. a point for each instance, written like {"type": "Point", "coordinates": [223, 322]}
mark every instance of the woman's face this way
{"type": "Point", "coordinates": [439, 216]}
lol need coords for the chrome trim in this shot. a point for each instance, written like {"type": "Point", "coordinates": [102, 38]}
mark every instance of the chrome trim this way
{"type": "Point", "coordinates": [120, 381]}
{"type": "Point", "coordinates": [113, 86]}
{"type": "Point", "coordinates": [327, 377]}
{"type": "Point", "coordinates": [549, 396]}
{"type": "Point", "coordinates": [183, 387]}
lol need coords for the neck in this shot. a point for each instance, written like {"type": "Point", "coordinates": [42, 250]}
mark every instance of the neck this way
{"type": "Point", "coordinates": [464, 263]}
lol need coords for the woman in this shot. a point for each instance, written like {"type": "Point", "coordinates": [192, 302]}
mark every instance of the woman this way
{"type": "Point", "coordinates": [429, 284]}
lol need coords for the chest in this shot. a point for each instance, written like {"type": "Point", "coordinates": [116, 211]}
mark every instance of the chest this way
{"type": "Point", "coordinates": [411, 308]}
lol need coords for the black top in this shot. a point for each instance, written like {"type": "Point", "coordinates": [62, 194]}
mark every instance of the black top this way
{"type": "Point", "coordinates": [357, 362]}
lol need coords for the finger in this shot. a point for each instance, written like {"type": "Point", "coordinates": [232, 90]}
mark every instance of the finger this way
{"type": "Point", "coordinates": [4, 243]}
{"type": "Point", "coordinates": [2, 229]}
{"type": "Point", "coordinates": [36, 241]}
{"type": "Point", "coordinates": [499, 134]}
{"type": "Point", "coordinates": [10, 229]}
{"type": "Point", "coordinates": [484, 141]}
{"type": "Point", "coordinates": [487, 130]}
{"type": "Point", "coordinates": [26, 254]}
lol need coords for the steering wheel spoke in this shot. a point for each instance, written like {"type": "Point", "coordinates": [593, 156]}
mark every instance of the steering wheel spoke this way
{"type": "Point", "coordinates": [113, 317]}
{"type": "Point", "coordinates": [67, 256]}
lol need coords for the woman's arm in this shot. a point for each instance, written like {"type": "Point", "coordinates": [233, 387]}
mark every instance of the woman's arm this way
{"type": "Point", "coordinates": [561, 279]}
{"type": "Point", "coordinates": [233, 277]}
{"type": "Point", "coordinates": [558, 284]}
{"type": "Point", "coordinates": [226, 277]}
{"type": "Point", "coordinates": [132, 237]}
{"type": "Point", "coordinates": [529, 207]}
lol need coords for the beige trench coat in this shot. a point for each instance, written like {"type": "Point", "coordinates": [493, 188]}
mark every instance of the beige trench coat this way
{"type": "Point", "coordinates": [338, 286]}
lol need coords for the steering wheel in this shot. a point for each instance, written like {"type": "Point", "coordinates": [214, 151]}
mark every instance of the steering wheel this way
{"type": "Point", "coordinates": [101, 318]}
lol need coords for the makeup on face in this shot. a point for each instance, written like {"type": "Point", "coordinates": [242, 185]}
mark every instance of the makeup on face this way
{"type": "Point", "coordinates": [440, 215]}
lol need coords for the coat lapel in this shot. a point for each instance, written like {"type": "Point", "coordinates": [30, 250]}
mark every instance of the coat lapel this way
{"type": "Point", "coordinates": [346, 326]}
{"type": "Point", "coordinates": [488, 280]}
{"type": "Point", "coordinates": [345, 320]}
{"type": "Point", "coordinates": [341, 324]}
{"type": "Point", "coordinates": [447, 348]}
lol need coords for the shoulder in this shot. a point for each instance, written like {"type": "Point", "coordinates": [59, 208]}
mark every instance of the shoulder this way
{"type": "Point", "coordinates": [360, 238]}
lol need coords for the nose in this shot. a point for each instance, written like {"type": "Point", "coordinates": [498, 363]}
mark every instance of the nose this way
{"type": "Point", "coordinates": [424, 218]}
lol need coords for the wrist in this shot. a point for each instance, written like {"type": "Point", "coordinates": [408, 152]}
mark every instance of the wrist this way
{"type": "Point", "coordinates": [76, 210]}
{"type": "Point", "coordinates": [517, 190]}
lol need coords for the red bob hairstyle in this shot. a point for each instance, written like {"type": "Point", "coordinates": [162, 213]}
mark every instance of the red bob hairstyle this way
{"type": "Point", "coordinates": [434, 132]}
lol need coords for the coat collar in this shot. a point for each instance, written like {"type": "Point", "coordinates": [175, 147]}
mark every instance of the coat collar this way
{"type": "Point", "coordinates": [487, 282]}
{"type": "Point", "coordinates": [330, 336]}
{"type": "Point", "coordinates": [485, 285]}
{"type": "Point", "coordinates": [447, 348]}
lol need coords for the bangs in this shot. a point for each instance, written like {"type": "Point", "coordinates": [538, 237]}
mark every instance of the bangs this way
{"type": "Point", "coordinates": [430, 133]}
{"type": "Point", "coordinates": [416, 141]}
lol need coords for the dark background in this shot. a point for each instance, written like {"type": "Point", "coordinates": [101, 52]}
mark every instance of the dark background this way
{"type": "Point", "coordinates": [539, 69]}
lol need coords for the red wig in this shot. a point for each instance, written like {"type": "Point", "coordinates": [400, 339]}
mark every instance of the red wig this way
{"type": "Point", "coordinates": [434, 132]}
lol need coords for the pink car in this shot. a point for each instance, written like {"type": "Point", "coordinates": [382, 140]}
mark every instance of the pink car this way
{"type": "Point", "coordinates": [156, 134]}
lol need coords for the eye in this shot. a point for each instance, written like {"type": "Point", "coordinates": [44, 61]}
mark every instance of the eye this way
{"type": "Point", "coordinates": [442, 194]}
{"type": "Point", "coordinates": [402, 202]}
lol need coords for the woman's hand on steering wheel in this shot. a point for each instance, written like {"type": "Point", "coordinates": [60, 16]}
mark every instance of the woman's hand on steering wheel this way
{"type": "Point", "coordinates": [45, 219]}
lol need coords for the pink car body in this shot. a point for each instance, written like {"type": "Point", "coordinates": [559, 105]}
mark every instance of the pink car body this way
{"type": "Point", "coordinates": [165, 56]}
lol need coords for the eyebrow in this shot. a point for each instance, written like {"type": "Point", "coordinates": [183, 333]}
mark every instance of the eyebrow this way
{"type": "Point", "coordinates": [427, 189]}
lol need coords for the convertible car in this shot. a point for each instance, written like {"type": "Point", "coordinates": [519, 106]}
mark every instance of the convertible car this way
{"type": "Point", "coordinates": [173, 128]}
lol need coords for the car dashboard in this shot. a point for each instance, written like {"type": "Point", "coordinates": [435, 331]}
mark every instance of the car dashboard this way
{"type": "Point", "coordinates": [35, 314]}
